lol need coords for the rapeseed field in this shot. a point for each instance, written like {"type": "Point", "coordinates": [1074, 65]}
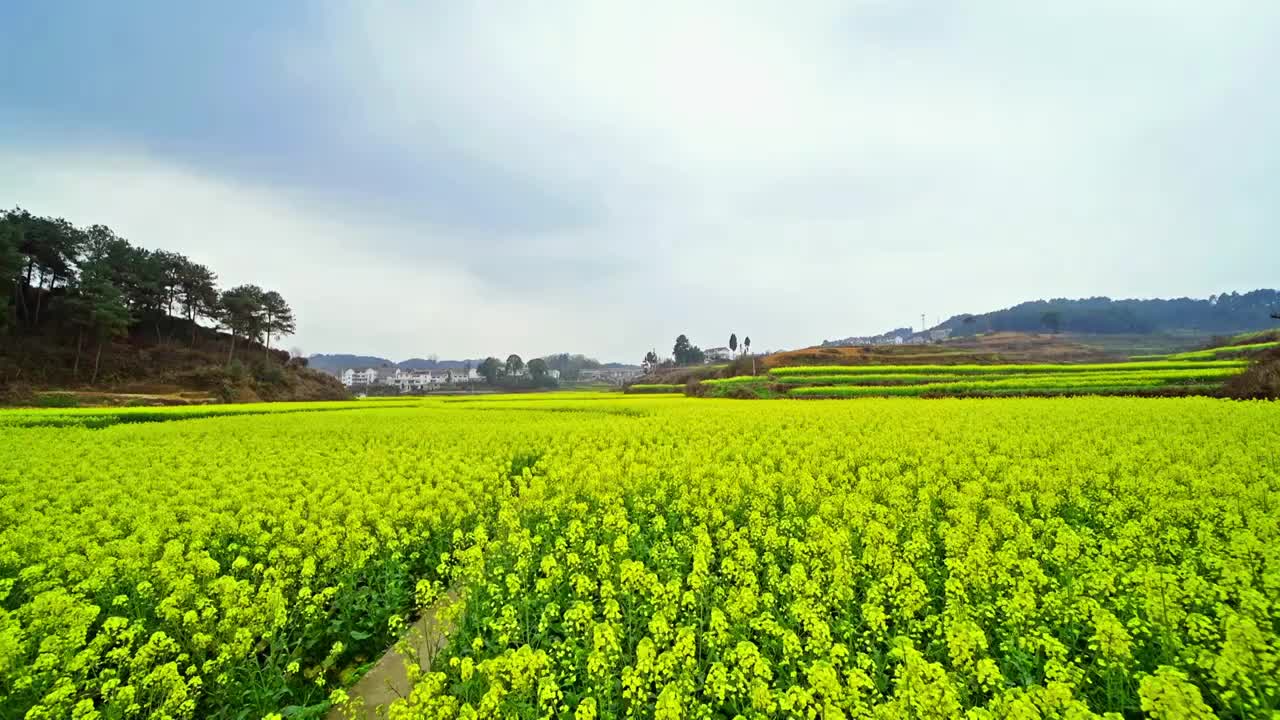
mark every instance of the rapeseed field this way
{"type": "Point", "coordinates": [649, 557]}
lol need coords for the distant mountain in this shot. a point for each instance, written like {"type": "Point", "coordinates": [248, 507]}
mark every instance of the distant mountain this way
{"type": "Point", "coordinates": [337, 362]}
{"type": "Point", "coordinates": [1216, 315]}
{"type": "Point", "coordinates": [426, 364]}
{"type": "Point", "coordinates": [882, 339]}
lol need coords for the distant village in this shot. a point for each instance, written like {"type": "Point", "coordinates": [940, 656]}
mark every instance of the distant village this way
{"type": "Point", "coordinates": [900, 336]}
{"type": "Point", "coordinates": [413, 381]}
{"type": "Point", "coordinates": [408, 380]}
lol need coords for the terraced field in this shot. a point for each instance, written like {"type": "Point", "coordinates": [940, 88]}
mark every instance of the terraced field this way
{"type": "Point", "coordinates": [1157, 377]}
{"type": "Point", "coordinates": [642, 388]}
{"type": "Point", "coordinates": [1218, 352]}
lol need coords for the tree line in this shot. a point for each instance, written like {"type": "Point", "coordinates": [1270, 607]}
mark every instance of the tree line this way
{"type": "Point", "coordinates": [99, 285]}
{"type": "Point", "coordinates": [685, 352]}
{"type": "Point", "coordinates": [1224, 313]}
{"type": "Point", "coordinates": [515, 371]}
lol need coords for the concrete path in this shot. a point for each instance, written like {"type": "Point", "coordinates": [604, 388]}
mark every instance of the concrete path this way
{"type": "Point", "coordinates": [388, 680]}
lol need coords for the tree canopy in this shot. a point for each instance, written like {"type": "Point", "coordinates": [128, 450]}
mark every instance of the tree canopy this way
{"type": "Point", "coordinates": [489, 369]}
{"type": "Point", "coordinates": [569, 365]}
{"type": "Point", "coordinates": [101, 284]}
{"type": "Point", "coordinates": [278, 318]}
{"type": "Point", "coordinates": [538, 368]}
{"type": "Point", "coordinates": [514, 364]}
{"type": "Point", "coordinates": [686, 353]}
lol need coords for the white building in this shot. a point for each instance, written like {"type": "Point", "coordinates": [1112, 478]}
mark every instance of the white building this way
{"type": "Point", "coordinates": [613, 376]}
{"type": "Point", "coordinates": [421, 380]}
{"type": "Point", "coordinates": [717, 354]}
{"type": "Point", "coordinates": [367, 376]}
{"type": "Point", "coordinates": [453, 376]}
{"type": "Point", "coordinates": [406, 381]}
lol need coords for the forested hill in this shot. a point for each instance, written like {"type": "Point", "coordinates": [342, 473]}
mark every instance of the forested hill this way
{"type": "Point", "coordinates": [1217, 315]}
{"type": "Point", "coordinates": [83, 310]}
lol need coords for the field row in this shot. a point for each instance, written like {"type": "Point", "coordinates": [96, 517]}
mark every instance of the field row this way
{"type": "Point", "coordinates": [1173, 376]}
{"type": "Point", "coordinates": [642, 388]}
{"type": "Point", "coordinates": [1218, 352]}
{"type": "Point", "coordinates": [1024, 369]}
{"type": "Point", "coordinates": [847, 381]}
{"type": "Point", "coordinates": [104, 417]}
{"type": "Point", "coordinates": [993, 388]}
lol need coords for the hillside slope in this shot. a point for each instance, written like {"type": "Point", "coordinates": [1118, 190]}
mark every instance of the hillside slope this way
{"type": "Point", "coordinates": [93, 317]}
{"type": "Point", "coordinates": [1006, 347]}
{"type": "Point", "coordinates": [1245, 366]}
{"type": "Point", "coordinates": [1224, 314]}
{"type": "Point", "coordinates": [155, 366]}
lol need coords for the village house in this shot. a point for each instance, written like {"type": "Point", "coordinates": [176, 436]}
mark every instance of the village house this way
{"type": "Point", "coordinates": [421, 380]}
{"type": "Point", "coordinates": [366, 376]}
{"type": "Point", "coordinates": [717, 354]}
{"type": "Point", "coordinates": [613, 376]}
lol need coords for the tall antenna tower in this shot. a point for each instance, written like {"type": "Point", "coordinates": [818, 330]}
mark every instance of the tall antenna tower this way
{"type": "Point", "coordinates": [923, 327]}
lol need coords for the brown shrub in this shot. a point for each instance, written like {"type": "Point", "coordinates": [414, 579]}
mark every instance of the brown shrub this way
{"type": "Point", "coordinates": [1260, 381]}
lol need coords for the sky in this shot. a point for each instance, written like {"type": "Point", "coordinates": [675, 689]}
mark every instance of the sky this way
{"type": "Point", "coordinates": [481, 178]}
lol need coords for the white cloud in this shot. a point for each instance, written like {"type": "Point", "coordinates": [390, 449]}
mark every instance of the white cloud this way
{"type": "Point", "coordinates": [348, 297]}
{"type": "Point", "coordinates": [788, 171]}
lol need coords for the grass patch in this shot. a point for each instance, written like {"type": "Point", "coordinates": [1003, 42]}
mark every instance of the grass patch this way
{"type": "Point", "coordinates": [757, 389]}
{"type": "Point", "coordinates": [643, 388]}
{"type": "Point", "coordinates": [1222, 352]}
{"type": "Point", "coordinates": [57, 400]}
{"type": "Point", "coordinates": [735, 380]}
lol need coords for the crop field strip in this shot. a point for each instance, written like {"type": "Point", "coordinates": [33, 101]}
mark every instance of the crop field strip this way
{"type": "Point", "coordinates": [654, 388]}
{"type": "Point", "coordinates": [1002, 369]}
{"type": "Point", "coordinates": [105, 417]}
{"type": "Point", "coordinates": [997, 389]}
{"type": "Point", "coordinates": [1211, 353]}
{"type": "Point", "coordinates": [655, 556]}
{"type": "Point", "coordinates": [1160, 377]}
{"type": "Point", "coordinates": [1170, 375]}
{"type": "Point", "coordinates": [1100, 381]}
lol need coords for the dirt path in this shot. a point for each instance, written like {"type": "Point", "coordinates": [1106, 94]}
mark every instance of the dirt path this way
{"type": "Point", "coordinates": [388, 680]}
{"type": "Point", "coordinates": [95, 398]}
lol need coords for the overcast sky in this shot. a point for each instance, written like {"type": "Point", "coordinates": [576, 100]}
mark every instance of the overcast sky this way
{"type": "Point", "coordinates": [474, 178]}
